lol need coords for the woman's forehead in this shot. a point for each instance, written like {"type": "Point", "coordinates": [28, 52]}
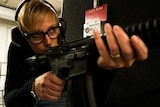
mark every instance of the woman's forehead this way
{"type": "Point", "coordinates": [44, 23]}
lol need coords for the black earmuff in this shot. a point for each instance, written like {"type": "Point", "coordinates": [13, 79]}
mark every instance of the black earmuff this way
{"type": "Point", "coordinates": [62, 23]}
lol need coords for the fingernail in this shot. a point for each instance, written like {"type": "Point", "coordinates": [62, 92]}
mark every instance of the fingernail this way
{"type": "Point", "coordinates": [116, 27]}
{"type": "Point", "coordinates": [107, 25]}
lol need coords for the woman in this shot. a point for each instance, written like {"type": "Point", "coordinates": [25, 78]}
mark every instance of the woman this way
{"type": "Point", "coordinates": [39, 27]}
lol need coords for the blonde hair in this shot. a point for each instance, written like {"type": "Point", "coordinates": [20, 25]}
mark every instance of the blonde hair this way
{"type": "Point", "coordinates": [32, 13]}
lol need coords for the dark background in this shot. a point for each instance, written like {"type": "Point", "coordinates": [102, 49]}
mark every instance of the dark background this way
{"type": "Point", "coordinates": [133, 87]}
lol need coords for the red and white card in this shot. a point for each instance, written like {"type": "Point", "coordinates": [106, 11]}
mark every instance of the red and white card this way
{"type": "Point", "coordinates": [98, 13]}
{"type": "Point", "coordinates": [94, 19]}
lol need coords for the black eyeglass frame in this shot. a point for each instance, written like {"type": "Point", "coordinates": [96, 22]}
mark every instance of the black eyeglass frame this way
{"type": "Point", "coordinates": [54, 28]}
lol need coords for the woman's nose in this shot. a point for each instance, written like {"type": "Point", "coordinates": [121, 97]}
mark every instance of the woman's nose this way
{"type": "Point", "coordinates": [47, 39]}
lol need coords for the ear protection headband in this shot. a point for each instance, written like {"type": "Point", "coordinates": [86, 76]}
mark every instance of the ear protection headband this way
{"type": "Point", "coordinates": [24, 1]}
{"type": "Point", "coordinates": [62, 23]}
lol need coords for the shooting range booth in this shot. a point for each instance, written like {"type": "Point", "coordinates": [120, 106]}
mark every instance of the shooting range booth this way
{"type": "Point", "coordinates": [137, 86]}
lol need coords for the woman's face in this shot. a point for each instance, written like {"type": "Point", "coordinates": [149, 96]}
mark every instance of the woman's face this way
{"type": "Point", "coordinates": [43, 47]}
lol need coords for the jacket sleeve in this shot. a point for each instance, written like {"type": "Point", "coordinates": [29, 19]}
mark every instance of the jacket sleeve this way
{"type": "Point", "coordinates": [17, 88]}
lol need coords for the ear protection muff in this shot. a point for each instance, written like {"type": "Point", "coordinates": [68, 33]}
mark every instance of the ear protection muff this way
{"type": "Point", "coordinates": [62, 26]}
{"type": "Point", "coordinates": [62, 23]}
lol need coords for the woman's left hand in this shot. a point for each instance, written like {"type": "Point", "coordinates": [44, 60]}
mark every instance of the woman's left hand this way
{"type": "Point", "coordinates": [122, 51]}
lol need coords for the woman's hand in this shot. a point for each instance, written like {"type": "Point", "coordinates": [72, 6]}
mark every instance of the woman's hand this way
{"type": "Point", "coordinates": [122, 51]}
{"type": "Point", "coordinates": [48, 86]}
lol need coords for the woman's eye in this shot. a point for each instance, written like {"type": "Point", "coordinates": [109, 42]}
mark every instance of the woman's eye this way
{"type": "Point", "coordinates": [52, 30]}
{"type": "Point", "coordinates": [38, 34]}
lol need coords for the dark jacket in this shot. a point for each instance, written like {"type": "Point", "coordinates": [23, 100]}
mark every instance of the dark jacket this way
{"type": "Point", "coordinates": [19, 77]}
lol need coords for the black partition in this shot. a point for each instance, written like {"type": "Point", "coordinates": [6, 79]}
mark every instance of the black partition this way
{"type": "Point", "coordinates": [73, 13]}
{"type": "Point", "coordinates": [138, 86]}
{"type": "Point", "coordinates": [127, 12]}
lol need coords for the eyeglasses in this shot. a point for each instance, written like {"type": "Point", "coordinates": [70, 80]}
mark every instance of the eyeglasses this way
{"type": "Point", "coordinates": [38, 37]}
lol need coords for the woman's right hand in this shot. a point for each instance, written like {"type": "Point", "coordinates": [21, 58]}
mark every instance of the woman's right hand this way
{"type": "Point", "coordinates": [48, 86]}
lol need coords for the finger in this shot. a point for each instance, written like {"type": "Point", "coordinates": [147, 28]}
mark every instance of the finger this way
{"type": "Point", "coordinates": [100, 45]}
{"type": "Point", "coordinates": [124, 43]}
{"type": "Point", "coordinates": [51, 92]}
{"type": "Point", "coordinates": [104, 60]}
{"type": "Point", "coordinates": [141, 50]}
{"type": "Point", "coordinates": [53, 96]}
{"type": "Point", "coordinates": [56, 80]}
{"type": "Point", "coordinates": [55, 87]}
{"type": "Point", "coordinates": [112, 42]}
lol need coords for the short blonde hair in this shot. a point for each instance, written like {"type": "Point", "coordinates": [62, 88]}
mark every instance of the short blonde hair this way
{"type": "Point", "coordinates": [32, 13]}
